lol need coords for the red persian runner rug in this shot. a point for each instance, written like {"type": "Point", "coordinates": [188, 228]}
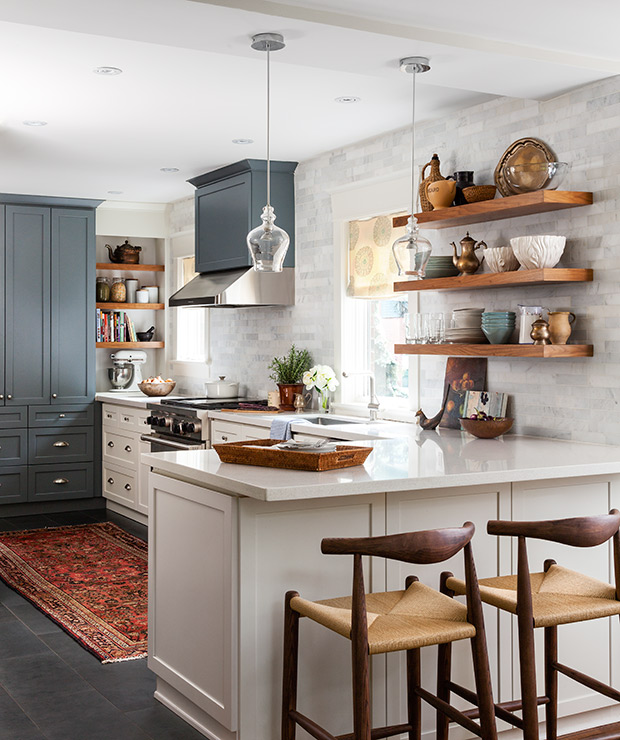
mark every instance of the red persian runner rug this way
{"type": "Point", "coordinates": [90, 579]}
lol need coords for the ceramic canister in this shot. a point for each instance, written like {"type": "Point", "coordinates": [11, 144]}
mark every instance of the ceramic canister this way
{"type": "Point", "coordinates": [142, 296]}
{"type": "Point", "coordinates": [131, 284]}
{"type": "Point", "coordinates": [153, 292]}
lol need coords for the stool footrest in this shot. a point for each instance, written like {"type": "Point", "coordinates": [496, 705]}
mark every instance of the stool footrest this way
{"type": "Point", "coordinates": [454, 714]}
{"type": "Point", "coordinates": [311, 727]}
{"type": "Point", "coordinates": [591, 683]}
{"type": "Point", "coordinates": [503, 711]}
{"type": "Point", "coordinates": [379, 732]}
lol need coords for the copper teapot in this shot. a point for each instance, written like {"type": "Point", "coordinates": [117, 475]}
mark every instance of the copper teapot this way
{"type": "Point", "coordinates": [467, 263]}
{"type": "Point", "coordinates": [125, 253]}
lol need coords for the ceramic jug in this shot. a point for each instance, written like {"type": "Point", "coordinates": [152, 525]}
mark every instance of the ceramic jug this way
{"type": "Point", "coordinates": [441, 193]}
{"type": "Point", "coordinates": [467, 263]}
{"type": "Point", "coordinates": [434, 176]}
{"type": "Point", "coordinates": [560, 326]}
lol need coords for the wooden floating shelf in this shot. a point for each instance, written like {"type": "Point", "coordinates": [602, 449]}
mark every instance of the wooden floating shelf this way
{"type": "Point", "coordinates": [497, 350]}
{"type": "Point", "coordinates": [142, 306]}
{"type": "Point", "coordinates": [130, 345]}
{"type": "Point", "coordinates": [540, 201]}
{"type": "Point", "coordinates": [129, 268]}
{"type": "Point", "coordinates": [546, 275]}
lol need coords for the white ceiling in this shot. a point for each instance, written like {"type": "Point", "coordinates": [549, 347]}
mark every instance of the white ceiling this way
{"type": "Point", "coordinates": [191, 83]}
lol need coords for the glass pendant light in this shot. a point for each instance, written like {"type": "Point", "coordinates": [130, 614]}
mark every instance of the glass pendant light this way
{"type": "Point", "coordinates": [411, 251]}
{"type": "Point", "coordinates": [268, 243]}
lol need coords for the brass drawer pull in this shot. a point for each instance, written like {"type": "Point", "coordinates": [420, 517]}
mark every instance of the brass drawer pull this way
{"type": "Point", "coordinates": [61, 416]}
{"type": "Point", "coordinates": [61, 481]}
{"type": "Point", "coordinates": [1, 396]}
{"type": "Point", "coordinates": [111, 481]}
{"type": "Point", "coordinates": [127, 448]}
{"type": "Point", "coordinates": [127, 487]}
{"type": "Point", "coordinates": [9, 396]}
{"type": "Point", "coordinates": [110, 444]}
{"type": "Point", "coordinates": [125, 418]}
{"type": "Point", "coordinates": [54, 395]}
{"type": "Point", "coordinates": [60, 444]}
{"type": "Point", "coordinates": [225, 438]}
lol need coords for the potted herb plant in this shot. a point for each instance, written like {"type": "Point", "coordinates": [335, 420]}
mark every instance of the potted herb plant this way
{"type": "Point", "coordinates": [287, 374]}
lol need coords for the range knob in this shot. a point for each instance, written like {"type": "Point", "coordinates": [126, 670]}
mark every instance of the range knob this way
{"type": "Point", "coordinates": [161, 421]}
{"type": "Point", "coordinates": [150, 420]}
{"type": "Point", "coordinates": [189, 427]}
{"type": "Point", "coordinates": [176, 427]}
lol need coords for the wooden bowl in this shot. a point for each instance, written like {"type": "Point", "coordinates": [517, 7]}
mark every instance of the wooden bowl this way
{"type": "Point", "coordinates": [156, 389]}
{"type": "Point", "coordinates": [476, 193]}
{"type": "Point", "coordinates": [486, 429]}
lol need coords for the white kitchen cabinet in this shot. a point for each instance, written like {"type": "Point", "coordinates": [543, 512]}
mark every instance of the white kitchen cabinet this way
{"type": "Point", "coordinates": [227, 431]}
{"type": "Point", "coordinates": [125, 479]}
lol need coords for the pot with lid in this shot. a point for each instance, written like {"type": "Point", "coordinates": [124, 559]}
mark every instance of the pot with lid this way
{"type": "Point", "coordinates": [221, 388]}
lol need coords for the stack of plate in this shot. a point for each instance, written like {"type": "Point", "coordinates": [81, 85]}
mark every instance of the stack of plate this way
{"type": "Point", "coordinates": [440, 267]}
{"type": "Point", "coordinates": [498, 326]}
{"type": "Point", "coordinates": [466, 327]}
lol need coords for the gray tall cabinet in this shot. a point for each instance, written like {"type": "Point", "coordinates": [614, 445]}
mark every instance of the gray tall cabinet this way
{"type": "Point", "coordinates": [47, 349]}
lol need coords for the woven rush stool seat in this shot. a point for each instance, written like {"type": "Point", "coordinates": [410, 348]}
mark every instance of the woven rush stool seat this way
{"type": "Point", "coordinates": [414, 618]}
{"type": "Point", "coordinates": [547, 599]}
{"type": "Point", "coordinates": [397, 620]}
{"type": "Point", "coordinates": [559, 596]}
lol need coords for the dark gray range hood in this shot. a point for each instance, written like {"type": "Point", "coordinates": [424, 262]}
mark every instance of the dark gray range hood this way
{"type": "Point", "coordinates": [237, 289]}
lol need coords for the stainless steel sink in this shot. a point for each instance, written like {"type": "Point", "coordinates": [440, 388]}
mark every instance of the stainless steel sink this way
{"type": "Point", "coordinates": [328, 421]}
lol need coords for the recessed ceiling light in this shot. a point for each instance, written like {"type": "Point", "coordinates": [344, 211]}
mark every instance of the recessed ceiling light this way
{"type": "Point", "coordinates": [243, 141]}
{"type": "Point", "coordinates": [34, 123]}
{"type": "Point", "coordinates": [168, 169]}
{"type": "Point", "coordinates": [107, 71]}
{"type": "Point", "coordinates": [347, 99]}
{"type": "Point", "coordinates": [115, 192]}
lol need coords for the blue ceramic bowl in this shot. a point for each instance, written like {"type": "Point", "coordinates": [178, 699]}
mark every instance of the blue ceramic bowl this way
{"type": "Point", "coordinates": [499, 334]}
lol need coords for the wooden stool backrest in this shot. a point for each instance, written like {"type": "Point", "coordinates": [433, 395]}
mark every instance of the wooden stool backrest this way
{"type": "Point", "coordinates": [584, 531]}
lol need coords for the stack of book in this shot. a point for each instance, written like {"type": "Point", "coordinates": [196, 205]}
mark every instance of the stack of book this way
{"type": "Point", "coordinates": [115, 326]}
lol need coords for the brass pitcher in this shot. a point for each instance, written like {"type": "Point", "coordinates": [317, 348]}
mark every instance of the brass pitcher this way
{"type": "Point", "coordinates": [467, 263]}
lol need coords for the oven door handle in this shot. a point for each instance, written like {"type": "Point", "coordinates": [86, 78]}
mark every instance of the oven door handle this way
{"type": "Point", "coordinates": [170, 443]}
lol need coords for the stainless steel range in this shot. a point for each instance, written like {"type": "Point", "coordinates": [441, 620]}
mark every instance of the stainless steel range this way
{"type": "Point", "coordinates": [182, 423]}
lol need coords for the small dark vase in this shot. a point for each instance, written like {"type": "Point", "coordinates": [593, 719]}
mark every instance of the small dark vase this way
{"type": "Point", "coordinates": [287, 395]}
{"type": "Point", "coordinates": [463, 179]}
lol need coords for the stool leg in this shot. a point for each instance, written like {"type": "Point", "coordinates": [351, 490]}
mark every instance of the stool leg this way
{"type": "Point", "coordinates": [444, 665]}
{"type": "Point", "coordinates": [289, 676]}
{"type": "Point", "coordinates": [444, 668]}
{"type": "Point", "coordinates": [414, 703]}
{"type": "Point", "coordinates": [551, 682]}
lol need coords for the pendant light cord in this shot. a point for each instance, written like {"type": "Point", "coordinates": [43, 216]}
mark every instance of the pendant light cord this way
{"type": "Point", "coordinates": [268, 125]}
{"type": "Point", "coordinates": [413, 75]}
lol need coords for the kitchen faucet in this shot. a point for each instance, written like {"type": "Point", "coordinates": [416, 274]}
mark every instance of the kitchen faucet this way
{"type": "Point", "coordinates": [373, 405]}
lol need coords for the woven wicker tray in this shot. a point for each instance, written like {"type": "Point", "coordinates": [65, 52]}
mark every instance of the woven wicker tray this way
{"type": "Point", "coordinates": [247, 453]}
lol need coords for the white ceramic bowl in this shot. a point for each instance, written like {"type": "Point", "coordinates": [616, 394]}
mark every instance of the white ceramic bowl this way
{"type": "Point", "coordinates": [534, 252]}
{"type": "Point", "coordinates": [501, 259]}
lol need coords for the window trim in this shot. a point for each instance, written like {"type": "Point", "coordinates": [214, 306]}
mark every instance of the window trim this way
{"type": "Point", "coordinates": [370, 198]}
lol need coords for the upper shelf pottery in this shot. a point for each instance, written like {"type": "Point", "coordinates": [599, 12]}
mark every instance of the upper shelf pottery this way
{"type": "Point", "coordinates": [434, 176]}
{"type": "Point", "coordinates": [441, 193]}
{"type": "Point", "coordinates": [124, 253]}
{"type": "Point", "coordinates": [501, 259]}
{"type": "Point", "coordinates": [531, 176]}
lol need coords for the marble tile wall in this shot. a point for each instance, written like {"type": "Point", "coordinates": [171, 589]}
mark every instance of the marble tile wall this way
{"type": "Point", "coordinates": [576, 399]}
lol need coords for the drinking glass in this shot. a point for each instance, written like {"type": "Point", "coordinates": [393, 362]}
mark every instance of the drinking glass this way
{"type": "Point", "coordinates": [436, 328]}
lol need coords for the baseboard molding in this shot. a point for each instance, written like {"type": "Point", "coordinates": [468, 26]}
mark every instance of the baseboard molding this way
{"type": "Point", "coordinates": [137, 516]}
{"type": "Point", "coordinates": [52, 507]}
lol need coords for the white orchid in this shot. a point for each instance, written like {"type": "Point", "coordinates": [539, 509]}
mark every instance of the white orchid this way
{"type": "Point", "coordinates": [321, 377]}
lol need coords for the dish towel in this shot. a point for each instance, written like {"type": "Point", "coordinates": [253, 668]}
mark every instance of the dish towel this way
{"type": "Point", "coordinates": [281, 426]}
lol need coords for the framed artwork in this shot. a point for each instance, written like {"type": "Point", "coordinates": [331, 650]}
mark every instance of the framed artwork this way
{"type": "Point", "coordinates": [463, 374]}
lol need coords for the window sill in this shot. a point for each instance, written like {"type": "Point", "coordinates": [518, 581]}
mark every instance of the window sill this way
{"type": "Point", "coordinates": [190, 369]}
{"type": "Point", "coordinates": [361, 410]}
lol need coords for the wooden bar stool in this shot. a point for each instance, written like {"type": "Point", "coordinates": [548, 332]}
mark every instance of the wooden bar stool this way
{"type": "Point", "coordinates": [397, 620]}
{"type": "Point", "coordinates": [555, 596]}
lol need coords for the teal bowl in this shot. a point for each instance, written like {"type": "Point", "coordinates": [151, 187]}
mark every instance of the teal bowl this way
{"type": "Point", "coordinates": [499, 334]}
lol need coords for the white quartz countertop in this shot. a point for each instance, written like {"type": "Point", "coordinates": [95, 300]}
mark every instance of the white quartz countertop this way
{"type": "Point", "coordinates": [421, 460]}
{"type": "Point", "coordinates": [137, 400]}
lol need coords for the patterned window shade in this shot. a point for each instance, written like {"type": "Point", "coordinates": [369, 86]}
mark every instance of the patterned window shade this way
{"type": "Point", "coordinates": [372, 269]}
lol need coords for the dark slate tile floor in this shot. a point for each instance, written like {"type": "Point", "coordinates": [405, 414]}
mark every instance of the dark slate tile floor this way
{"type": "Point", "coordinates": [52, 688]}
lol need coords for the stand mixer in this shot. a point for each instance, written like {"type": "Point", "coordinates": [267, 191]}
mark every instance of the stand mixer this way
{"type": "Point", "coordinates": [126, 372]}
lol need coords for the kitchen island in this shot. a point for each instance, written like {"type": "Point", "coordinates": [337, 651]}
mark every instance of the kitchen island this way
{"type": "Point", "coordinates": [227, 541]}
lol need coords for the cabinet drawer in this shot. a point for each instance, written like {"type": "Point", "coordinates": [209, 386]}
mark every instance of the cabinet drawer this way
{"type": "Point", "coordinates": [120, 486]}
{"type": "Point", "coordinates": [50, 482]}
{"type": "Point", "coordinates": [73, 444]}
{"type": "Point", "coordinates": [13, 485]}
{"type": "Point", "coordinates": [61, 416]}
{"type": "Point", "coordinates": [132, 419]}
{"type": "Point", "coordinates": [120, 447]}
{"type": "Point", "coordinates": [13, 417]}
{"type": "Point", "coordinates": [225, 431]}
{"type": "Point", "coordinates": [109, 414]}
{"type": "Point", "coordinates": [13, 447]}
